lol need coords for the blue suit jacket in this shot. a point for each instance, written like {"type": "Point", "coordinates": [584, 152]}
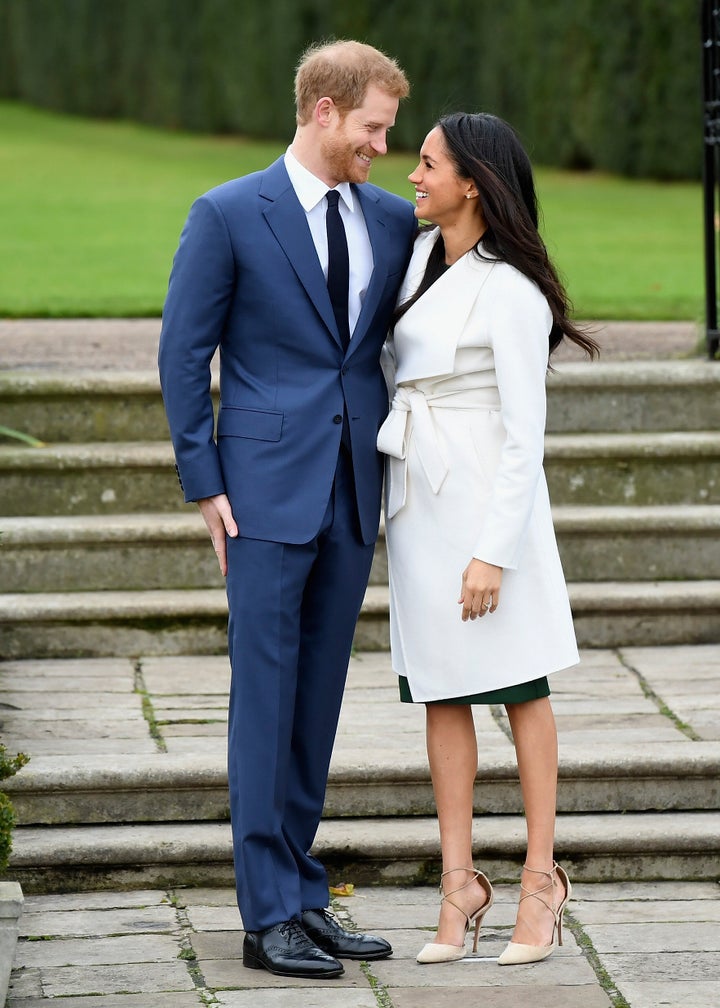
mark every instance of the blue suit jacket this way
{"type": "Point", "coordinates": [246, 277]}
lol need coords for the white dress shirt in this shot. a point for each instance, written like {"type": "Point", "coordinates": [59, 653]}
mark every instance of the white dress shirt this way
{"type": "Point", "coordinates": [311, 192]}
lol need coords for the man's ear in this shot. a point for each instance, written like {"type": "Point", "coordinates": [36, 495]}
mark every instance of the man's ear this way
{"type": "Point", "coordinates": [325, 109]}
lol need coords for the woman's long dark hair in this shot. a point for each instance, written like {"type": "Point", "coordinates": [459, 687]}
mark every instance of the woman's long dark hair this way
{"type": "Point", "coordinates": [487, 150]}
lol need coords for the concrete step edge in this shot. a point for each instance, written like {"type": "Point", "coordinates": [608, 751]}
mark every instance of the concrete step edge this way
{"type": "Point", "coordinates": [58, 775]}
{"type": "Point", "coordinates": [53, 384]}
{"type": "Point", "coordinates": [161, 526]}
{"type": "Point", "coordinates": [622, 784]}
{"type": "Point", "coordinates": [117, 606]}
{"type": "Point", "coordinates": [637, 375]}
{"type": "Point", "coordinates": [88, 455]}
{"type": "Point", "coordinates": [365, 838]}
{"type": "Point", "coordinates": [630, 374]}
{"type": "Point", "coordinates": [113, 606]}
{"type": "Point", "coordinates": [606, 446]}
{"type": "Point", "coordinates": [142, 527]}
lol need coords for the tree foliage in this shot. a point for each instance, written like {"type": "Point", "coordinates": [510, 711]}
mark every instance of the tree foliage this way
{"type": "Point", "coordinates": [608, 84]}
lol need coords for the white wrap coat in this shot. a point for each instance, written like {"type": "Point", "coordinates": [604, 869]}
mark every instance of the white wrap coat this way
{"type": "Point", "coordinates": [464, 478]}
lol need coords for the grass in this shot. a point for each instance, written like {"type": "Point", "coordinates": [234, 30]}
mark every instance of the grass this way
{"type": "Point", "coordinates": [91, 213]}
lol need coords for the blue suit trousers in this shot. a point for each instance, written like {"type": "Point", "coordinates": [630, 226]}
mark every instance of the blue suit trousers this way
{"type": "Point", "coordinates": [293, 610]}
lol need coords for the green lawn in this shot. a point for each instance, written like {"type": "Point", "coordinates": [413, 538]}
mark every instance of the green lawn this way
{"type": "Point", "coordinates": [91, 212]}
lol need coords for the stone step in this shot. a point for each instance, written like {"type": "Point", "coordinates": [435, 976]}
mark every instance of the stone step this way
{"type": "Point", "coordinates": [171, 550]}
{"type": "Point", "coordinates": [679, 395]}
{"type": "Point", "coordinates": [598, 848]}
{"type": "Point", "coordinates": [87, 406]}
{"type": "Point", "coordinates": [164, 550]}
{"type": "Point", "coordinates": [98, 478]}
{"type": "Point", "coordinates": [636, 543]}
{"type": "Point", "coordinates": [587, 469]}
{"type": "Point", "coordinates": [633, 469]}
{"type": "Point", "coordinates": [83, 624]}
{"type": "Point", "coordinates": [84, 406]}
{"type": "Point", "coordinates": [56, 791]}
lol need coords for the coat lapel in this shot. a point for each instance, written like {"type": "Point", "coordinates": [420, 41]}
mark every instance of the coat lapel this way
{"type": "Point", "coordinates": [430, 330]}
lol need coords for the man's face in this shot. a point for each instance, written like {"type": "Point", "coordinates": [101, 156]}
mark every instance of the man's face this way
{"type": "Point", "coordinates": [352, 141]}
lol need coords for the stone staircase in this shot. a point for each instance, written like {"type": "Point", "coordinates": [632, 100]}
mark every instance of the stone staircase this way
{"type": "Point", "coordinates": [113, 611]}
{"type": "Point", "coordinates": [100, 556]}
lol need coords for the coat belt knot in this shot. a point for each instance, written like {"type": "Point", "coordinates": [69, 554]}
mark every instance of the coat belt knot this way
{"type": "Point", "coordinates": [392, 440]}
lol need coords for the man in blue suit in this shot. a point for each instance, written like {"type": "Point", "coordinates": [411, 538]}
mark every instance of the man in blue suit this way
{"type": "Point", "coordinates": [298, 300]}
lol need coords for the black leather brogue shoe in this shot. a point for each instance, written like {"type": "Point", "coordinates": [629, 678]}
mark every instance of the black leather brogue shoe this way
{"type": "Point", "coordinates": [286, 950]}
{"type": "Point", "coordinates": [322, 928]}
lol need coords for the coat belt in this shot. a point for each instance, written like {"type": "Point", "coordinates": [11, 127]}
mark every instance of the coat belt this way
{"type": "Point", "coordinates": [409, 401]}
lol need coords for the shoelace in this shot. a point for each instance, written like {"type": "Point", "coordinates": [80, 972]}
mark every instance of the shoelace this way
{"type": "Point", "coordinates": [291, 930]}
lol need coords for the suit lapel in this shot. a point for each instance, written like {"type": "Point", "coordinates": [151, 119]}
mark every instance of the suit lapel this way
{"type": "Point", "coordinates": [286, 219]}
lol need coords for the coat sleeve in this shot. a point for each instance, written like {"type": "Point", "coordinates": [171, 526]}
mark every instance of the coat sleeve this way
{"type": "Point", "coordinates": [199, 295]}
{"type": "Point", "coordinates": [519, 322]}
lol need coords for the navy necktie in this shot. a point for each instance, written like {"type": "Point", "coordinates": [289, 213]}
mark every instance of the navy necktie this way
{"type": "Point", "coordinates": [338, 278]}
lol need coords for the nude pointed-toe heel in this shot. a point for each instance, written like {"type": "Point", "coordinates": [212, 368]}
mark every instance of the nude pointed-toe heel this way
{"type": "Point", "coordinates": [435, 952]}
{"type": "Point", "coordinates": [515, 953]}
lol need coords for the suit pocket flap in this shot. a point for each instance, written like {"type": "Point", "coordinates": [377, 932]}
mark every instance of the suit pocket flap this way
{"type": "Point", "coordinates": [259, 424]}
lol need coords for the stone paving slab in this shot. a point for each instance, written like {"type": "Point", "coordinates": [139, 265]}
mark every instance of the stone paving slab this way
{"type": "Point", "coordinates": [177, 999]}
{"type": "Point", "coordinates": [312, 997]}
{"type": "Point", "coordinates": [679, 994]}
{"type": "Point", "coordinates": [663, 965]}
{"type": "Point", "coordinates": [145, 978]}
{"type": "Point", "coordinates": [649, 936]}
{"type": "Point", "coordinates": [123, 709]}
{"type": "Point", "coordinates": [542, 996]}
{"type": "Point", "coordinates": [112, 950]}
{"type": "Point", "coordinates": [77, 685]}
{"type": "Point", "coordinates": [15, 698]}
{"type": "Point", "coordinates": [79, 922]}
{"type": "Point", "coordinates": [648, 912]}
{"type": "Point", "coordinates": [99, 668]}
{"type": "Point", "coordinates": [641, 695]}
{"type": "Point", "coordinates": [118, 747]}
{"type": "Point", "coordinates": [101, 726]}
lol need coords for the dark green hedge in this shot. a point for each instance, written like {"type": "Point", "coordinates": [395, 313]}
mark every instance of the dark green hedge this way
{"type": "Point", "coordinates": [609, 84]}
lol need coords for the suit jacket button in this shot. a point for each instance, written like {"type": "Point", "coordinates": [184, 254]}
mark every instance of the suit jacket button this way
{"type": "Point", "coordinates": [337, 418]}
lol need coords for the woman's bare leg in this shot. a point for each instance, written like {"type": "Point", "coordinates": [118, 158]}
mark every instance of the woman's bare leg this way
{"type": "Point", "coordinates": [535, 737]}
{"type": "Point", "coordinates": [452, 754]}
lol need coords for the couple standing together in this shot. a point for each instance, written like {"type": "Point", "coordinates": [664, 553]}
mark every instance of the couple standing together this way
{"type": "Point", "coordinates": [298, 273]}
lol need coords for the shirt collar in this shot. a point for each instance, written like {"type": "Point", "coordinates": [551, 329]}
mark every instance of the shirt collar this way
{"type": "Point", "coordinates": [310, 189]}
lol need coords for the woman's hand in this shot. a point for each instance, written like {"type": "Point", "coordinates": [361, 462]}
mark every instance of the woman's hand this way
{"type": "Point", "coordinates": [480, 591]}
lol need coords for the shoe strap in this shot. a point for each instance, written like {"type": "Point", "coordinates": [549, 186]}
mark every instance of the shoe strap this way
{"type": "Point", "coordinates": [472, 871]}
{"type": "Point", "coordinates": [537, 893]}
{"type": "Point", "coordinates": [477, 876]}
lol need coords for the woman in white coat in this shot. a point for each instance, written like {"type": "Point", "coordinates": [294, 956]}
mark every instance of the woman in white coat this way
{"type": "Point", "coordinates": [467, 508]}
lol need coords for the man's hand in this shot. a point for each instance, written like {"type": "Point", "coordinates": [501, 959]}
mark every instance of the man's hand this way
{"type": "Point", "coordinates": [480, 592]}
{"type": "Point", "coordinates": [220, 522]}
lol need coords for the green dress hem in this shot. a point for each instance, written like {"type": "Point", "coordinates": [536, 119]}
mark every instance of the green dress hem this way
{"type": "Point", "coordinates": [533, 690]}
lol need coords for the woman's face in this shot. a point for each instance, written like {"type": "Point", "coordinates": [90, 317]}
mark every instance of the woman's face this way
{"type": "Point", "coordinates": [441, 196]}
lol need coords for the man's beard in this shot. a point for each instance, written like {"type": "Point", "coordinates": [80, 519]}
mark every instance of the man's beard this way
{"type": "Point", "coordinates": [342, 161]}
